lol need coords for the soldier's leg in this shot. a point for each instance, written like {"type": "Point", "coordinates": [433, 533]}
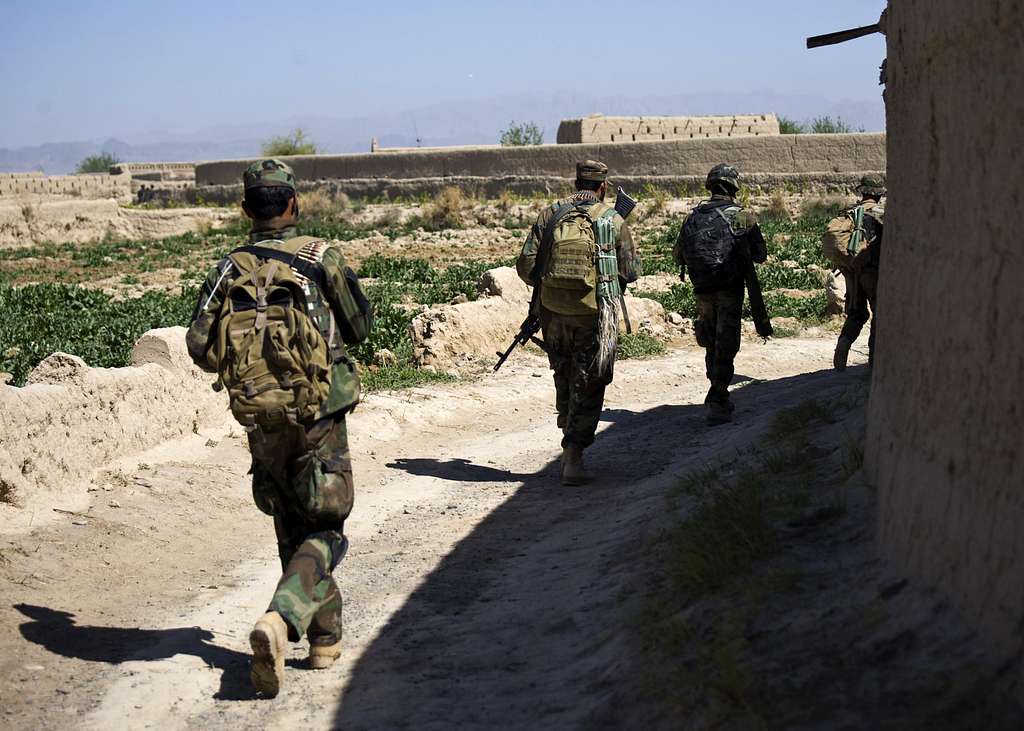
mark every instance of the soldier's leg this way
{"type": "Point", "coordinates": [857, 315]}
{"type": "Point", "coordinates": [307, 590]}
{"type": "Point", "coordinates": [586, 399]}
{"type": "Point", "coordinates": [729, 313]}
{"type": "Point", "coordinates": [321, 498]}
{"type": "Point", "coordinates": [704, 331]}
{"type": "Point", "coordinates": [558, 339]}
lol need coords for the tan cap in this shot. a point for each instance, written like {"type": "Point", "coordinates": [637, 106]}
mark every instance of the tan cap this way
{"type": "Point", "coordinates": [591, 170]}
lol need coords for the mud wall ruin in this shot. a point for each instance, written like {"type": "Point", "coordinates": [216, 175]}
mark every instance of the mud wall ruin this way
{"type": "Point", "coordinates": [946, 415]}
{"type": "Point", "coordinates": [97, 185]}
{"type": "Point", "coordinates": [796, 160]}
{"type": "Point", "coordinates": [599, 128]}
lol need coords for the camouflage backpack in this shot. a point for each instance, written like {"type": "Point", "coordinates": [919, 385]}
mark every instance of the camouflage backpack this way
{"type": "Point", "coordinates": [847, 240]}
{"type": "Point", "coordinates": [569, 281]}
{"type": "Point", "coordinates": [270, 355]}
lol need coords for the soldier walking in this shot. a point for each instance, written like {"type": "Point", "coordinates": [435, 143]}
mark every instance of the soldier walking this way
{"type": "Point", "coordinates": [559, 257]}
{"type": "Point", "coordinates": [717, 242]}
{"type": "Point", "coordinates": [861, 272]}
{"type": "Point", "coordinates": [272, 320]}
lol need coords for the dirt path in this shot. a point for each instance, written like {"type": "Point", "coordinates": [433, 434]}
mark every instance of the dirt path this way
{"type": "Point", "coordinates": [479, 593]}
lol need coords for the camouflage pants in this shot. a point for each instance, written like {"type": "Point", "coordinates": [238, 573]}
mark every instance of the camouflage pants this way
{"type": "Point", "coordinates": [861, 292]}
{"type": "Point", "coordinates": [579, 387]}
{"type": "Point", "coordinates": [303, 477]}
{"type": "Point", "coordinates": [717, 329]}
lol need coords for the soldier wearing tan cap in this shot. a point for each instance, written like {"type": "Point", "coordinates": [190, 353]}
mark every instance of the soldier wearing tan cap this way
{"type": "Point", "coordinates": [560, 256]}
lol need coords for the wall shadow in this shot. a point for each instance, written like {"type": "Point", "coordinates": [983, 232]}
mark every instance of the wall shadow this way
{"type": "Point", "coordinates": [58, 632]}
{"type": "Point", "coordinates": [492, 636]}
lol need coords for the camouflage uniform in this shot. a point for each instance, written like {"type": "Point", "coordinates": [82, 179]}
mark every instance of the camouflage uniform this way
{"type": "Point", "coordinates": [862, 284]}
{"type": "Point", "coordinates": [572, 338]}
{"type": "Point", "coordinates": [302, 472]}
{"type": "Point", "coordinates": [717, 327]}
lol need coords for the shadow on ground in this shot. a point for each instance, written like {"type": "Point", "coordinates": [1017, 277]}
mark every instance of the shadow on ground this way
{"type": "Point", "coordinates": [520, 625]}
{"type": "Point", "coordinates": [58, 632]}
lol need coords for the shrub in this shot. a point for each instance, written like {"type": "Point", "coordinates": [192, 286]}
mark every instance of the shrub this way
{"type": "Point", "coordinates": [639, 345]}
{"type": "Point", "coordinates": [520, 135]}
{"type": "Point", "coordinates": [323, 203]}
{"type": "Point", "coordinates": [789, 126]}
{"type": "Point", "coordinates": [776, 210]}
{"type": "Point", "coordinates": [294, 143]}
{"type": "Point", "coordinates": [655, 200]}
{"type": "Point", "coordinates": [445, 211]}
{"type": "Point", "coordinates": [100, 163]}
{"type": "Point", "coordinates": [827, 126]}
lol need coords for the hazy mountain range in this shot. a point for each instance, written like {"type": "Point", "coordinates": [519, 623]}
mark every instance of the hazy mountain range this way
{"type": "Point", "coordinates": [450, 123]}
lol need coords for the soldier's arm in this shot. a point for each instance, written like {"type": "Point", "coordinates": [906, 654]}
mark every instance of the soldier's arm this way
{"type": "Point", "coordinates": [757, 244]}
{"type": "Point", "coordinates": [352, 311]}
{"type": "Point", "coordinates": [201, 333]}
{"type": "Point", "coordinates": [628, 255]}
{"type": "Point", "coordinates": [528, 256]}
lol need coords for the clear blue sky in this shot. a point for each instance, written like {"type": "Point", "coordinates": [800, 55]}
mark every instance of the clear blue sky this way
{"type": "Point", "coordinates": [141, 70]}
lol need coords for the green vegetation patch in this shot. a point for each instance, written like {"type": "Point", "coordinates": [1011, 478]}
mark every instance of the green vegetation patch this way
{"type": "Point", "coordinates": [795, 242]}
{"type": "Point", "coordinates": [44, 318]}
{"type": "Point", "coordinates": [639, 345]}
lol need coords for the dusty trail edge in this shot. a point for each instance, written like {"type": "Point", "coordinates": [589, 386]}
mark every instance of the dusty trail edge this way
{"type": "Point", "coordinates": [472, 575]}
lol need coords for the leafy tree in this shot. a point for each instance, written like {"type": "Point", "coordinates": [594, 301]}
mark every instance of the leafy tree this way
{"type": "Point", "coordinates": [827, 126]}
{"type": "Point", "coordinates": [789, 126]}
{"type": "Point", "coordinates": [97, 163]}
{"type": "Point", "coordinates": [518, 135]}
{"type": "Point", "coordinates": [294, 143]}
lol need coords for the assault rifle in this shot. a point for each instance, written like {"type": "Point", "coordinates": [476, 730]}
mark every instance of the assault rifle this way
{"type": "Point", "coordinates": [758, 311]}
{"type": "Point", "coordinates": [624, 205]}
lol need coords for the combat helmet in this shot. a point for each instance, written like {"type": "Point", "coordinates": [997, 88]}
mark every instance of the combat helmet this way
{"type": "Point", "coordinates": [724, 175]}
{"type": "Point", "coordinates": [871, 185]}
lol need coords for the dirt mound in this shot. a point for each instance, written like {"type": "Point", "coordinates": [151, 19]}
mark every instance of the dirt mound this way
{"type": "Point", "coordinates": [71, 419]}
{"type": "Point", "coordinates": [29, 221]}
{"type": "Point", "coordinates": [447, 336]}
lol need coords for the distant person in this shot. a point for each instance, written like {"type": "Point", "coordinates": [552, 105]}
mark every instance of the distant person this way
{"type": "Point", "coordinates": [716, 244]}
{"type": "Point", "coordinates": [579, 324]}
{"type": "Point", "coordinates": [853, 242]}
{"type": "Point", "coordinates": [273, 320]}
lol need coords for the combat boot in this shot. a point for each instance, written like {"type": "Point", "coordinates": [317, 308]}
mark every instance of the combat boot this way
{"type": "Point", "coordinates": [719, 412]}
{"type": "Point", "coordinates": [269, 641]}
{"type": "Point", "coordinates": [572, 466]}
{"type": "Point", "coordinates": [322, 657]}
{"type": "Point", "coordinates": [842, 354]}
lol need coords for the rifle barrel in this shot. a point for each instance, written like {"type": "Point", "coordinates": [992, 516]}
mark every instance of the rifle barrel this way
{"type": "Point", "coordinates": [830, 39]}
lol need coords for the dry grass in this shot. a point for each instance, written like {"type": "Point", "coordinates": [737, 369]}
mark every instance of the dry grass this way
{"type": "Point", "coordinates": [322, 203]}
{"type": "Point", "coordinates": [446, 211]}
{"type": "Point", "coordinates": [776, 210]}
{"type": "Point", "coordinates": [825, 207]}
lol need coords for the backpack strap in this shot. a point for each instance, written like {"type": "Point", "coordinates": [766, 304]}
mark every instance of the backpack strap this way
{"type": "Point", "coordinates": [309, 270]}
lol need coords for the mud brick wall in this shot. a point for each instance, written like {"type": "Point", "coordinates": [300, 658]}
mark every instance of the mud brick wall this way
{"type": "Point", "coordinates": [599, 128]}
{"type": "Point", "coordinates": [946, 418]}
{"type": "Point", "coordinates": [79, 186]}
{"type": "Point", "coordinates": [784, 154]}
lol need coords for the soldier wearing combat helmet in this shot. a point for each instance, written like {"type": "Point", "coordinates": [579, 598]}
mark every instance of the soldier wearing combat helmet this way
{"type": "Point", "coordinates": [273, 320]}
{"type": "Point", "coordinates": [578, 322]}
{"type": "Point", "coordinates": [715, 245]}
{"type": "Point", "coordinates": [862, 274]}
